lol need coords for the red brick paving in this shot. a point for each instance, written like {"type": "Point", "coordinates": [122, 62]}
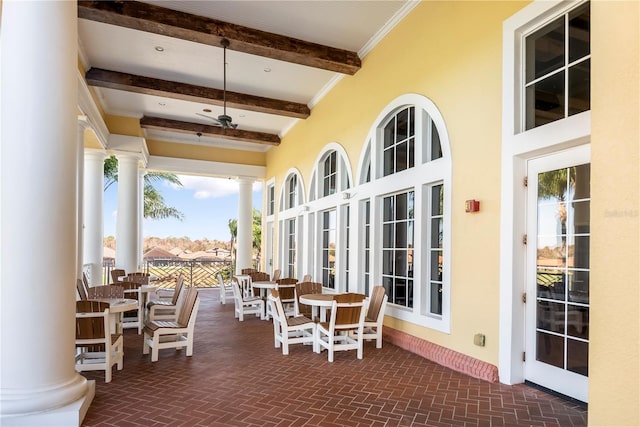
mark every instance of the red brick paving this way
{"type": "Point", "coordinates": [237, 378]}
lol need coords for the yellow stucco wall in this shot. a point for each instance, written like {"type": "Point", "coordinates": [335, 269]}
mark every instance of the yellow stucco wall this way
{"type": "Point", "coordinates": [450, 52]}
{"type": "Point", "coordinates": [614, 359]}
{"type": "Point", "coordinates": [213, 154]}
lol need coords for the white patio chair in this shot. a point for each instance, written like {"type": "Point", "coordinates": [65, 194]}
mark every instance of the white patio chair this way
{"type": "Point", "coordinates": [162, 309]}
{"type": "Point", "coordinates": [290, 330]}
{"type": "Point", "coordinates": [226, 289]}
{"type": "Point", "coordinates": [246, 305]}
{"type": "Point", "coordinates": [160, 334]}
{"type": "Point", "coordinates": [375, 315]}
{"type": "Point", "coordinates": [344, 329]}
{"type": "Point", "coordinates": [97, 348]}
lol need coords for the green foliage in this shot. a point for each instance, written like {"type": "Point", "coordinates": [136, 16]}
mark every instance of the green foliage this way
{"type": "Point", "coordinates": [154, 205]}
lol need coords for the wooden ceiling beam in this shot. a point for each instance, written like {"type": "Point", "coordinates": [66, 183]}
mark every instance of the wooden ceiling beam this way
{"type": "Point", "coordinates": [167, 22]}
{"type": "Point", "coordinates": [187, 92]}
{"type": "Point", "coordinates": [157, 123]}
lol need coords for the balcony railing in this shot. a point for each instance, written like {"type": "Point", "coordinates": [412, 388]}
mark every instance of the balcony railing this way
{"type": "Point", "coordinates": [199, 273]}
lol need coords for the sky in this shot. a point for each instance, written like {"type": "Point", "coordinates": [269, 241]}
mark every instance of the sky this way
{"type": "Point", "coordinates": [207, 204]}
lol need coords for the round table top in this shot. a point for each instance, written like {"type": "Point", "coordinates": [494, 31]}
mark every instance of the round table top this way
{"type": "Point", "coordinates": [118, 305]}
{"type": "Point", "coordinates": [264, 284]}
{"type": "Point", "coordinates": [320, 300]}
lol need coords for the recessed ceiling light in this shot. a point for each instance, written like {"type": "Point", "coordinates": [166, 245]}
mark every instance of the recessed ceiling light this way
{"type": "Point", "coordinates": [162, 104]}
{"type": "Point", "coordinates": [241, 115]}
{"type": "Point", "coordinates": [159, 48]}
{"type": "Point", "coordinates": [206, 110]}
{"type": "Point", "coordinates": [267, 69]}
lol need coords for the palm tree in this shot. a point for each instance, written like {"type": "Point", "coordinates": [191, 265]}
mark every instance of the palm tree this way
{"type": "Point", "coordinates": [154, 205]}
{"type": "Point", "coordinates": [233, 230]}
{"type": "Point", "coordinates": [257, 234]}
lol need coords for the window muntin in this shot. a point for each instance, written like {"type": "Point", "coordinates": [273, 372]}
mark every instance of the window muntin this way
{"type": "Point", "coordinates": [435, 228]}
{"type": "Point", "coordinates": [347, 225]}
{"type": "Point", "coordinates": [271, 200]}
{"type": "Point", "coordinates": [398, 142]}
{"type": "Point", "coordinates": [290, 231]}
{"type": "Point", "coordinates": [367, 245]}
{"type": "Point", "coordinates": [328, 231]}
{"type": "Point", "coordinates": [397, 247]}
{"type": "Point", "coordinates": [557, 69]}
{"type": "Point", "coordinates": [330, 174]}
{"type": "Point", "coordinates": [292, 192]}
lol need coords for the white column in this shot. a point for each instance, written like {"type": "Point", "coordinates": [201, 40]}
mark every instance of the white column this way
{"type": "Point", "coordinates": [38, 164]}
{"type": "Point", "coordinates": [142, 173]}
{"type": "Point", "coordinates": [93, 213]}
{"type": "Point", "coordinates": [127, 220]}
{"type": "Point", "coordinates": [82, 125]}
{"type": "Point", "coordinates": [245, 225]}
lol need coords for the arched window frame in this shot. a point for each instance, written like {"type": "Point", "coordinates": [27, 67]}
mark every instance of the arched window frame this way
{"type": "Point", "coordinates": [318, 205]}
{"type": "Point", "coordinates": [426, 174]}
{"type": "Point", "coordinates": [290, 224]}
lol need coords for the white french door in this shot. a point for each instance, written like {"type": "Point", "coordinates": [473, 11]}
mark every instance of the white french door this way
{"type": "Point", "coordinates": [557, 291]}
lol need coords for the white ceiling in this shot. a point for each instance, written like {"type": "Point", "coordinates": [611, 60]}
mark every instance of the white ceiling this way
{"type": "Point", "coordinates": [352, 25]}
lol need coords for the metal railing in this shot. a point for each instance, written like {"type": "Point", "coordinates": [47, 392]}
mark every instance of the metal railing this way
{"type": "Point", "coordinates": [199, 273]}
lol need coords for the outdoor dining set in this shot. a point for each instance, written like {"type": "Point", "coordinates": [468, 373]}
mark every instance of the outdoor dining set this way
{"type": "Point", "coordinates": [303, 314]}
{"type": "Point", "coordinates": [300, 311]}
{"type": "Point", "coordinates": [102, 312]}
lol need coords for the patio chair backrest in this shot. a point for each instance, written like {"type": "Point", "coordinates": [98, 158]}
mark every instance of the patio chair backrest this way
{"type": "Point", "coordinates": [375, 303]}
{"type": "Point", "coordinates": [178, 289]}
{"type": "Point", "coordinates": [348, 311]}
{"type": "Point", "coordinates": [186, 308]}
{"type": "Point", "coordinates": [106, 291]}
{"type": "Point", "coordinates": [82, 290]}
{"type": "Point", "coordinates": [115, 273]}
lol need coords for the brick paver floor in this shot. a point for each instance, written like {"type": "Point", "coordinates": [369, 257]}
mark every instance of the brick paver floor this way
{"type": "Point", "coordinates": [237, 378]}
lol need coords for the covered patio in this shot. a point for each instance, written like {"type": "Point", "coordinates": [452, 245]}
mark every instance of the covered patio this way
{"type": "Point", "coordinates": [237, 378]}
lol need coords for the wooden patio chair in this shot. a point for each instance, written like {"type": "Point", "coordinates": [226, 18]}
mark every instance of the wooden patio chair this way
{"type": "Point", "coordinates": [343, 331]}
{"type": "Point", "coordinates": [276, 274]}
{"type": "Point", "coordinates": [105, 291]}
{"type": "Point", "coordinates": [138, 277]}
{"type": "Point", "coordinates": [290, 330]}
{"type": "Point", "coordinates": [162, 309]}
{"type": "Point", "coordinates": [116, 273]}
{"type": "Point", "coordinates": [132, 318]}
{"type": "Point", "coordinates": [97, 348]}
{"type": "Point", "coordinates": [160, 334]}
{"type": "Point", "coordinates": [287, 290]}
{"type": "Point", "coordinates": [83, 292]}
{"type": "Point", "coordinates": [375, 315]}
{"type": "Point", "coordinates": [304, 288]}
{"type": "Point", "coordinates": [248, 304]}
{"type": "Point", "coordinates": [248, 271]}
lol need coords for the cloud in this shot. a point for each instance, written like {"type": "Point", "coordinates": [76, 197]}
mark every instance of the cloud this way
{"type": "Point", "coordinates": [208, 187]}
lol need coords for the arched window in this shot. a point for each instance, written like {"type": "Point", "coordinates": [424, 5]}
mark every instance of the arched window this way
{"type": "Point", "coordinates": [292, 196]}
{"type": "Point", "coordinates": [404, 211]}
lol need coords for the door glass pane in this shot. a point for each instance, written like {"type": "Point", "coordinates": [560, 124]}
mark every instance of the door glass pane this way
{"type": "Point", "coordinates": [562, 268]}
{"type": "Point", "coordinates": [577, 357]}
{"type": "Point", "coordinates": [550, 349]}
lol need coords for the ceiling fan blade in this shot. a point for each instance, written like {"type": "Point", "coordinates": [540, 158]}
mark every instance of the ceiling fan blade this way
{"type": "Point", "coordinates": [213, 119]}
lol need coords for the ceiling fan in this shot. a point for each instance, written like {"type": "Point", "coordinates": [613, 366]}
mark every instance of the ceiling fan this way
{"type": "Point", "coordinates": [223, 120]}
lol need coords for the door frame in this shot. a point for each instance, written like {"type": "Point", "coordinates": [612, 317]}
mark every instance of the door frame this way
{"type": "Point", "coordinates": [566, 382]}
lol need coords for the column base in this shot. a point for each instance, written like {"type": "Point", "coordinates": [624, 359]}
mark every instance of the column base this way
{"type": "Point", "coordinates": [68, 415]}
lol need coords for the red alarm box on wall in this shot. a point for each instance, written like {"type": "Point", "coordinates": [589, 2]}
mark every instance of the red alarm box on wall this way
{"type": "Point", "coordinates": [472, 205]}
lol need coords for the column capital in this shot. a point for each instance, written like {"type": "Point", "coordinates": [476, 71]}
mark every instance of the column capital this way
{"type": "Point", "coordinates": [245, 179]}
{"type": "Point", "coordinates": [130, 145]}
{"type": "Point", "coordinates": [92, 154]}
